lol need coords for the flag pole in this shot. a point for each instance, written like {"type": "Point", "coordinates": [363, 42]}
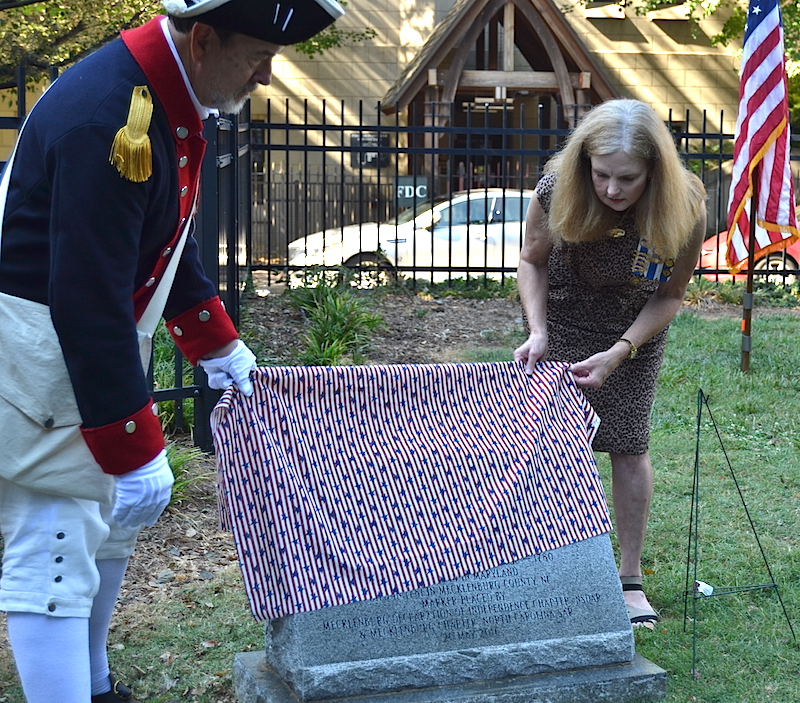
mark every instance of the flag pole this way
{"type": "Point", "coordinates": [747, 299]}
{"type": "Point", "coordinates": [762, 137]}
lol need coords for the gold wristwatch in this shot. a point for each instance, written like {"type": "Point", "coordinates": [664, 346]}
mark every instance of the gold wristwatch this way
{"type": "Point", "coordinates": [633, 351]}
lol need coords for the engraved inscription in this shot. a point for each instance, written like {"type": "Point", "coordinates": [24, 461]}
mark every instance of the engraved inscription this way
{"type": "Point", "coordinates": [476, 608]}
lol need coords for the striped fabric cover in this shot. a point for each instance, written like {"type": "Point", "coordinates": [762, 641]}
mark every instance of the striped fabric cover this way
{"type": "Point", "coordinates": [347, 483]}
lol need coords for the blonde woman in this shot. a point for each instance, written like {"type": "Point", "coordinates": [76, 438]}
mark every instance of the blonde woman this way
{"type": "Point", "coordinates": [611, 242]}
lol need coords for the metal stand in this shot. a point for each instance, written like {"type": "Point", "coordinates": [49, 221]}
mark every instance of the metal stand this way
{"type": "Point", "coordinates": [692, 587]}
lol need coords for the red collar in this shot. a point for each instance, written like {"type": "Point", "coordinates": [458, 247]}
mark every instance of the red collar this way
{"type": "Point", "coordinates": [149, 47]}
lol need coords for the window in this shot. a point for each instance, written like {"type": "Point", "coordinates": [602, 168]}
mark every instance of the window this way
{"type": "Point", "coordinates": [514, 207]}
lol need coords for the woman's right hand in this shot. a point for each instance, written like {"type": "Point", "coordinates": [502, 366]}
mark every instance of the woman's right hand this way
{"type": "Point", "coordinates": [532, 352]}
{"type": "Point", "coordinates": [532, 284]}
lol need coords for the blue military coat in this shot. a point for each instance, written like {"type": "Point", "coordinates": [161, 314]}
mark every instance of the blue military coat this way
{"type": "Point", "coordinates": [81, 238]}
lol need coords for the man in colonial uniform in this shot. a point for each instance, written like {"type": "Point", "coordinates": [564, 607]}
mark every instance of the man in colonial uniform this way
{"type": "Point", "coordinates": [96, 207]}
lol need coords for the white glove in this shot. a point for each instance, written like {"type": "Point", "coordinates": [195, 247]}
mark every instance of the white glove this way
{"type": "Point", "coordinates": [143, 494]}
{"type": "Point", "coordinates": [235, 368]}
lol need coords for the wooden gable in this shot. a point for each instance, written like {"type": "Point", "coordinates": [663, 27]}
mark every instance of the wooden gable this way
{"type": "Point", "coordinates": [558, 62]}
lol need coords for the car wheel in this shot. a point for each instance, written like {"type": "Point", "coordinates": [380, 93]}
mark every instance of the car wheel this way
{"type": "Point", "coordinates": [370, 270]}
{"type": "Point", "coordinates": [775, 262]}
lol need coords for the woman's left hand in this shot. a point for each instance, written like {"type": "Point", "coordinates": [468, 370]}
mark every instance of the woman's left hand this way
{"type": "Point", "coordinates": [593, 372]}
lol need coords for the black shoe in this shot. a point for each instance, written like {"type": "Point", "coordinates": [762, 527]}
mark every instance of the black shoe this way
{"type": "Point", "coordinates": [119, 692]}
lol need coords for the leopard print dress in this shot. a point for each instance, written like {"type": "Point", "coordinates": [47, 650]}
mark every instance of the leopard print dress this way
{"type": "Point", "coordinates": [596, 291]}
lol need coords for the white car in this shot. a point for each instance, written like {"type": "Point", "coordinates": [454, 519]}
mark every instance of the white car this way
{"type": "Point", "coordinates": [480, 229]}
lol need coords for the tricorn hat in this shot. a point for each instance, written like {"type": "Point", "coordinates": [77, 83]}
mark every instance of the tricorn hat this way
{"type": "Point", "coordinates": [276, 21]}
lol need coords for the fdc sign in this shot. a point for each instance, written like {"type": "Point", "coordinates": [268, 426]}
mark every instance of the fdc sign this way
{"type": "Point", "coordinates": [408, 192]}
{"type": "Point", "coordinates": [411, 190]}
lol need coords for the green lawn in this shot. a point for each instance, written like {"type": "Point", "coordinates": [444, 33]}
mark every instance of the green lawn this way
{"type": "Point", "coordinates": [744, 649]}
{"type": "Point", "coordinates": [743, 646]}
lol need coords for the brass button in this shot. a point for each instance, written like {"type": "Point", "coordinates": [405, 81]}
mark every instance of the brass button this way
{"type": "Point", "coordinates": [204, 316]}
{"type": "Point", "coordinates": [130, 427]}
{"type": "Point", "coordinates": [182, 132]}
{"type": "Point", "coordinates": [183, 161]}
{"type": "Point", "coordinates": [150, 282]}
{"type": "Point", "coordinates": [177, 331]}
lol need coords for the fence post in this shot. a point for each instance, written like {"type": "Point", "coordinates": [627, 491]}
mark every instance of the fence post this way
{"type": "Point", "coordinates": [206, 234]}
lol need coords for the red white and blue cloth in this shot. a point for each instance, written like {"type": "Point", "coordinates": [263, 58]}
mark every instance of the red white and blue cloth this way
{"type": "Point", "coordinates": [343, 484]}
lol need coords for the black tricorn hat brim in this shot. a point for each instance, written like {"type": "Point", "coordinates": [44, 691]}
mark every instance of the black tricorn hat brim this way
{"type": "Point", "coordinates": [276, 21]}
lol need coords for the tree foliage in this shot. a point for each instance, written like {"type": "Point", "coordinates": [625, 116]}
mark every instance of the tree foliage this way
{"type": "Point", "coordinates": [733, 29]}
{"type": "Point", "coordinates": [332, 37]}
{"type": "Point", "coordinates": [56, 33]}
{"type": "Point", "coordinates": [734, 25]}
{"type": "Point", "coordinates": [38, 35]}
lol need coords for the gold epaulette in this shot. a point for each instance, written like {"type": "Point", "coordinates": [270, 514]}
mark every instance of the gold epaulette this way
{"type": "Point", "coordinates": [131, 152]}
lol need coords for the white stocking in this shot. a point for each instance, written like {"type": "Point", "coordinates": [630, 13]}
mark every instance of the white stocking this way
{"type": "Point", "coordinates": [52, 657]}
{"type": "Point", "coordinates": [112, 571]}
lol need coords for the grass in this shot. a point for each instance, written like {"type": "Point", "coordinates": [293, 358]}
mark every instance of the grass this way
{"type": "Point", "coordinates": [181, 460]}
{"type": "Point", "coordinates": [477, 287]}
{"type": "Point", "coordinates": [743, 644]}
{"type": "Point", "coordinates": [739, 649]}
{"type": "Point", "coordinates": [740, 644]}
{"type": "Point", "coordinates": [164, 377]}
{"type": "Point", "coordinates": [183, 648]}
{"type": "Point", "coordinates": [765, 293]}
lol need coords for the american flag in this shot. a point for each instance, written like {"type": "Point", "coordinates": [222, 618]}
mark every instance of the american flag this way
{"type": "Point", "coordinates": [345, 483]}
{"type": "Point", "coordinates": [762, 142]}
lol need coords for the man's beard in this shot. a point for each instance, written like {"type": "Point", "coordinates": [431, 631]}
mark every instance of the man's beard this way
{"type": "Point", "coordinates": [233, 104]}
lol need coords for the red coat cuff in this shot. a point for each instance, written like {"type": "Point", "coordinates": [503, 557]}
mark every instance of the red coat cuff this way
{"type": "Point", "coordinates": [202, 329]}
{"type": "Point", "coordinates": [127, 444]}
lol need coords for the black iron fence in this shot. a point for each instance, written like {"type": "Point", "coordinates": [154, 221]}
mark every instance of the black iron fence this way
{"type": "Point", "coordinates": [332, 187]}
{"type": "Point", "coordinates": [454, 191]}
{"type": "Point", "coordinates": [222, 232]}
{"type": "Point", "coordinates": [343, 175]}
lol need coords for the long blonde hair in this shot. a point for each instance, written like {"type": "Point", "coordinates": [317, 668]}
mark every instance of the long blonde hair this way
{"type": "Point", "coordinates": [672, 202]}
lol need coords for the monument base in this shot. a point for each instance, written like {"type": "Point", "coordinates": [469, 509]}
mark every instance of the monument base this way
{"type": "Point", "coordinates": [550, 628]}
{"type": "Point", "coordinates": [638, 681]}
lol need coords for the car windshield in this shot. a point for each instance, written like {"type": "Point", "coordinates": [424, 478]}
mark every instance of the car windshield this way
{"type": "Point", "coordinates": [410, 213]}
{"type": "Point", "coordinates": [474, 213]}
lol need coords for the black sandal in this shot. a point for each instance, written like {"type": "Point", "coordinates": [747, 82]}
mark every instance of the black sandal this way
{"type": "Point", "coordinates": [638, 616]}
{"type": "Point", "coordinates": [119, 692]}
